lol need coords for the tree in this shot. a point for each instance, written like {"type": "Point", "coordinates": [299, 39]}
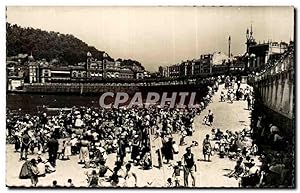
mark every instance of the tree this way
{"type": "Point", "coordinates": [66, 48]}
{"type": "Point", "coordinates": [48, 45]}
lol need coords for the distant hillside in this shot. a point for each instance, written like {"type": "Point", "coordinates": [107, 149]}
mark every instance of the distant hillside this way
{"type": "Point", "coordinates": [49, 45]}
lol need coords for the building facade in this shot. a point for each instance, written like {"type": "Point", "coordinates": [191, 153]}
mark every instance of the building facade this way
{"type": "Point", "coordinates": [258, 54]}
{"type": "Point", "coordinates": [91, 70]}
{"type": "Point", "coordinates": [206, 64]}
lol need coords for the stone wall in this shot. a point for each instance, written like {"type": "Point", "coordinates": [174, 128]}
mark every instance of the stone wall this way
{"type": "Point", "coordinates": [276, 87]}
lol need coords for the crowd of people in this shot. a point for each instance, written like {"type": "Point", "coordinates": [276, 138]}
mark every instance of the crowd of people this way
{"type": "Point", "coordinates": [274, 168]}
{"type": "Point", "coordinates": [237, 93]}
{"type": "Point", "coordinates": [275, 150]}
{"type": "Point", "coordinates": [263, 154]}
{"type": "Point", "coordinates": [94, 133]}
{"type": "Point", "coordinates": [237, 146]}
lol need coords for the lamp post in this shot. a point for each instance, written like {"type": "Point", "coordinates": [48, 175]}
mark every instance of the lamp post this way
{"type": "Point", "coordinates": [104, 56]}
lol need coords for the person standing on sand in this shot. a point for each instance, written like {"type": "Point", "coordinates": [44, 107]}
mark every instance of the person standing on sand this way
{"type": "Point", "coordinates": [25, 142]}
{"type": "Point", "coordinates": [189, 167]}
{"type": "Point", "coordinates": [67, 149]}
{"type": "Point", "coordinates": [52, 150]}
{"type": "Point", "coordinates": [206, 148]}
{"type": "Point", "coordinates": [84, 155]}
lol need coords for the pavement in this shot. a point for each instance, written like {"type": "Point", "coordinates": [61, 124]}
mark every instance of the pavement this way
{"type": "Point", "coordinates": [227, 116]}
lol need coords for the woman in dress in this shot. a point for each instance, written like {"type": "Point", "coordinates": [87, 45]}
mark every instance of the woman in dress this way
{"type": "Point", "coordinates": [67, 149]}
{"type": "Point", "coordinates": [169, 151]}
{"type": "Point", "coordinates": [210, 117]}
{"type": "Point", "coordinates": [206, 148]}
{"type": "Point", "coordinates": [17, 141]}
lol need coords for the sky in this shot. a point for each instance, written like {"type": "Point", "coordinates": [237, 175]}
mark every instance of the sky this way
{"type": "Point", "coordinates": [161, 35]}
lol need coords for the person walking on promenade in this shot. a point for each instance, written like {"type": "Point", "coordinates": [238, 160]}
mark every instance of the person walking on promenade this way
{"type": "Point", "coordinates": [249, 102]}
{"type": "Point", "coordinates": [169, 151]}
{"type": "Point", "coordinates": [52, 150]}
{"type": "Point", "coordinates": [246, 93]}
{"type": "Point", "coordinates": [210, 117]}
{"type": "Point", "coordinates": [231, 97]}
{"type": "Point", "coordinates": [222, 96]}
{"type": "Point", "coordinates": [206, 148]}
{"type": "Point", "coordinates": [189, 167]}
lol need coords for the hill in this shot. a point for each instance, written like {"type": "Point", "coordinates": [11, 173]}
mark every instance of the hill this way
{"type": "Point", "coordinates": [48, 45]}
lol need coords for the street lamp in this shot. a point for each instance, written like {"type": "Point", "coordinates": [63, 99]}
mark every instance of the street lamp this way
{"type": "Point", "coordinates": [104, 56]}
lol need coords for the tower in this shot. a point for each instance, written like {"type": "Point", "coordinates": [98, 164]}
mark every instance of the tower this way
{"type": "Point", "coordinates": [250, 41]}
{"type": "Point", "coordinates": [33, 69]}
{"type": "Point", "coordinates": [30, 58]}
